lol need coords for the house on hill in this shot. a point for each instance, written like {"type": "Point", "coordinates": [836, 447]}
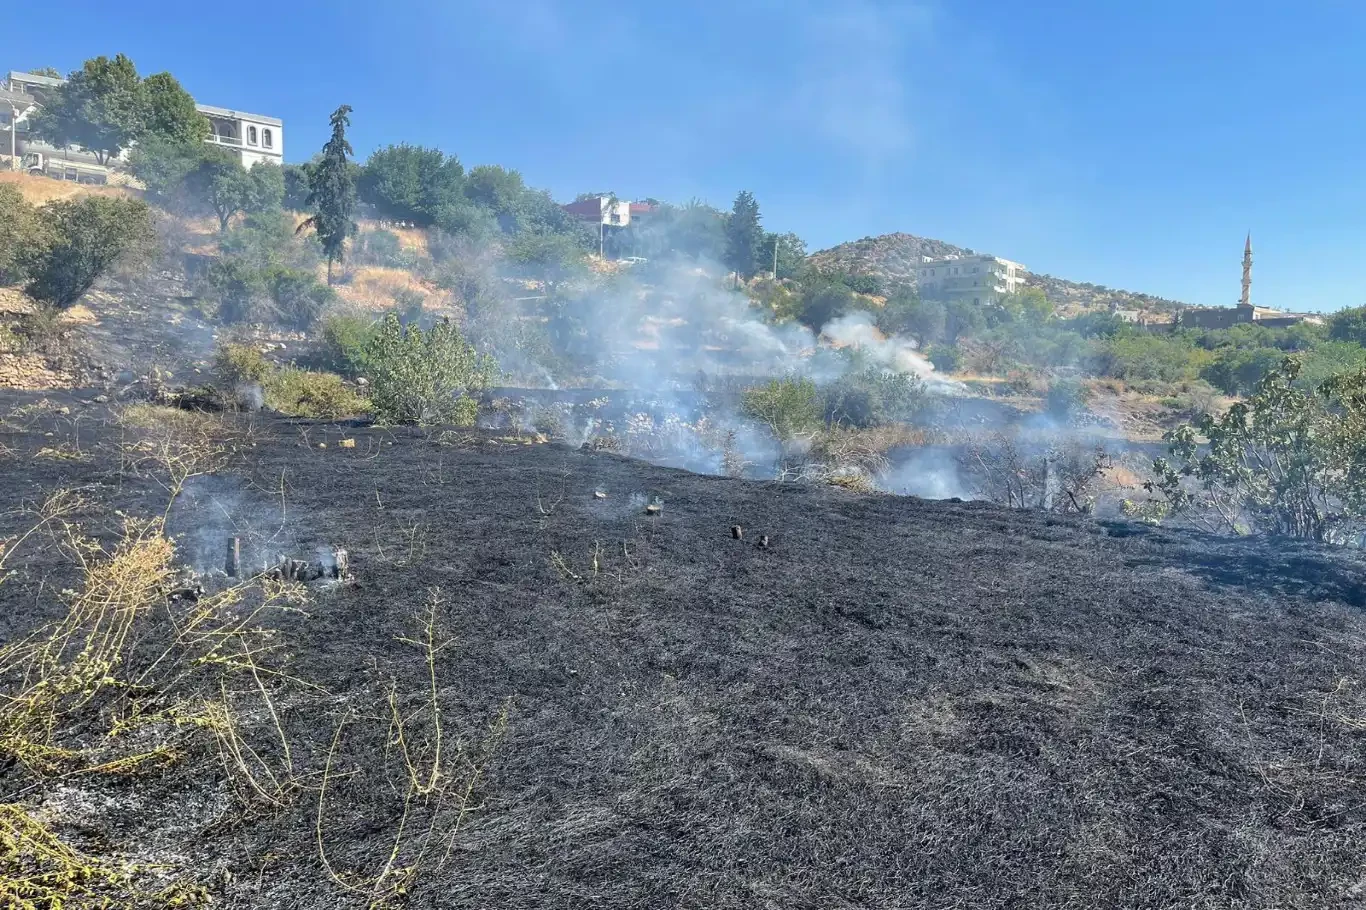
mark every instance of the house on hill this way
{"type": "Point", "coordinates": [254, 138]}
{"type": "Point", "coordinates": [976, 278]}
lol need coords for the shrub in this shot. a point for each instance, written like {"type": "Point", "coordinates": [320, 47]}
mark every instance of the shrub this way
{"type": "Point", "coordinates": [90, 235]}
{"type": "Point", "coordinates": [244, 293]}
{"type": "Point", "coordinates": [873, 397]}
{"type": "Point", "coordinates": [1067, 398]}
{"type": "Point", "coordinates": [381, 248]}
{"type": "Point", "coordinates": [238, 289]}
{"type": "Point", "coordinates": [297, 298]}
{"type": "Point", "coordinates": [419, 377]}
{"type": "Point", "coordinates": [1287, 461]}
{"type": "Point", "coordinates": [345, 339]}
{"type": "Point", "coordinates": [23, 236]}
{"type": "Point", "coordinates": [946, 358]}
{"type": "Point", "coordinates": [304, 393]}
{"type": "Point", "coordinates": [237, 365]}
{"type": "Point", "coordinates": [788, 406]}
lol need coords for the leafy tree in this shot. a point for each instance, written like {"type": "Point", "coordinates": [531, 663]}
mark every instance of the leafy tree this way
{"type": "Point", "coordinates": [497, 189]}
{"type": "Point", "coordinates": [90, 235]}
{"type": "Point", "coordinates": [50, 71]}
{"type": "Point", "coordinates": [227, 188]}
{"type": "Point", "coordinates": [1287, 461]}
{"type": "Point", "coordinates": [961, 317]}
{"type": "Point", "coordinates": [1143, 355]}
{"type": "Point", "coordinates": [426, 377]}
{"type": "Point", "coordinates": [823, 302]}
{"type": "Point", "coordinates": [787, 406]}
{"type": "Point", "coordinates": [170, 112]}
{"type": "Point", "coordinates": [744, 236]}
{"type": "Point", "coordinates": [24, 236]}
{"type": "Point", "coordinates": [871, 397]}
{"type": "Point", "coordinates": [791, 251]}
{"type": "Point", "coordinates": [1237, 371]}
{"type": "Point", "coordinates": [907, 314]}
{"type": "Point", "coordinates": [296, 186]}
{"type": "Point", "coordinates": [102, 108]}
{"type": "Point", "coordinates": [552, 258]}
{"type": "Point", "coordinates": [1348, 325]}
{"type": "Point", "coordinates": [1027, 305]}
{"type": "Point", "coordinates": [164, 165]}
{"type": "Point", "coordinates": [411, 183]}
{"type": "Point", "coordinates": [332, 192]}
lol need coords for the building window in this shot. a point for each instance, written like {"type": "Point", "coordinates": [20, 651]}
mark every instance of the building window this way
{"type": "Point", "coordinates": [251, 135]}
{"type": "Point", "coordinates": [268, 139]}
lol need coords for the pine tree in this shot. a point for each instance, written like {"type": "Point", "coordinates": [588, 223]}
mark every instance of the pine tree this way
{"type": "Point", "coordinates": [744, 236]}
{"type": "Point", "coordinates": [332, 192]}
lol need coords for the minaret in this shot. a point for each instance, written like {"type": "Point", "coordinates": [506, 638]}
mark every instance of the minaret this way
{"type": "Point", "coordinates": [1247, 273]}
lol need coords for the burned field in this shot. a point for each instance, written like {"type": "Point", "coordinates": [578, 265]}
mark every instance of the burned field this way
{"type": "Point", "coordinates": [895, 703]}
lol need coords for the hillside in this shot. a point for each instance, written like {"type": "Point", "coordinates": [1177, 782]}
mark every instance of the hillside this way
{"type": "Point", "coordinates": [899, 703]}
{"type": "Point", "coordinates": [894, 257]}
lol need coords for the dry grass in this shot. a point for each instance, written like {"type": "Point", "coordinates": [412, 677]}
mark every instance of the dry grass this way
{"type": "Point", "coordinates": [42, 190]}
{"type": "Point", "coordinates": [373, 289]}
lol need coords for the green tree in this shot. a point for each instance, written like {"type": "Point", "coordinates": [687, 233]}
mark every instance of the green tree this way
{"type": "Point", "coordinates": [426, 377]}
{"type": "Point", "coordinates": [411, 183]}
{"type": "Point", "coordinates": [296, 186]}
{"type": "Point", "coordinates": [1348, 325]}
{"type": "Point", "coordinates": [744, 236]}
{"type": "Point", "coordinates": [164, 166]}
{"type": "Point", "coordinates": [822, 302]}
{"type": "Point", "coordinates": [552, 258]}
{"type": "Point", "coordinates": [791, 251]}
{"type": "Point", "coordinates": [1287, 461]}
{"type": "Point", "coordinates": [907, 314]}
{"type": "Point", "coordinates": [787, 406]}
{"type": "Point", "coordinates": [221, 183]}
{"type": "Point", "coordinates": [24, 236]}
{"type": "Point", "coordinates": [961, 319]}
{"type": "Point", "coordinates": [170, 112]}
{"type": "Point", "coordinates": [497, 189]}
{"type": "Point", "coordinates": [1028, 305]}
{"type": "Point", "coordinates": [332, 192]}
{"type": "Point", "coordinates": [90, 235]}
{"type": "Point", "coordinates": [102, 108]}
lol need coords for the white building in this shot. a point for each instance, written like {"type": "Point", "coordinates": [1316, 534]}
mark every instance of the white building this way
{"type": "Point", "coordinates": [253, 137]}
{"type": "Point", "coordinates": [980, 279]}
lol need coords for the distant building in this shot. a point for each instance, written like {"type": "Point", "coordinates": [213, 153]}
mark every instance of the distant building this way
{"type": "Point", "coordinates": [252, 137]}
{"type": "Point", "coordinates": [1245, 311]}
{"type": "Point", "coordinates": [978, 278]}
{"type": "Point", "coordinates": [601, 210]}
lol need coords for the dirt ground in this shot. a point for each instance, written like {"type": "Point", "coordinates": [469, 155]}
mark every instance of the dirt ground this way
{"type": "Point", "coordinates": [897, 703]}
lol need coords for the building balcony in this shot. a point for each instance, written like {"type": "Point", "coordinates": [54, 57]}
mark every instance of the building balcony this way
{"type": "Point", "coordinates": [229, 141]}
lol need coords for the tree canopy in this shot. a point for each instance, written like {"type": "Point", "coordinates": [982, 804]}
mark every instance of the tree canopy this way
{"type": "Point", "coordinates": [412, 183]}
{"type": "Point", "coordinates": [332, 192]}
{"type": "Point", "coordinates": [744, 236]}
{"type": "Point", "coordinates": [104, 107]}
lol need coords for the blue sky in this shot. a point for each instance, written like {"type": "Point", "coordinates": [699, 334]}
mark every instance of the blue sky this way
{"type": "Point", "coordinates": [1129, 144]}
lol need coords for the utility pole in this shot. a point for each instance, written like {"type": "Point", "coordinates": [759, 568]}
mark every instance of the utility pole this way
{"type": "Point", "coordinates": [775, 257]}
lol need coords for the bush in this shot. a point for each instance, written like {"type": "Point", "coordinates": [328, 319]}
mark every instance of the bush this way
{"type": "Point", "coordinates": [381, 248]}
{"type": "Point", "coordinates": [89, 236]}
{"type": "Point", "coordinates": [945, 358]}
{"type": "Point", "coordinates": [345, 339]}
{"type": "Point", "coordinates": [1287, 461]}
{"type": "Point", "coordinates": [237, 365]}
{"type": "Point", "coordinates": [421, 377]}
{"type": "Point", "coordinates": [1067, 398]}
{"type": "Point", "coordinates": [788, 406]}
{"type": "Point", "coordinates": [292, 298]}
{"type": "Point", "coordinates": [24, 237]}
{"type": "Point", "coordinates": [304, 393]}
{"type": "Point", "coordinates": [238, 289]}
{"type": "Point", "coordinates": [873, 397]}
{"type": "Point", "coordinates": [297, 298]}
{"type": "Point", "coordinates": [1146, 356]}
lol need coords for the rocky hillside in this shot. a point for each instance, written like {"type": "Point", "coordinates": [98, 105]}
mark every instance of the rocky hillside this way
{"type": "Point", "coordinates": [893, 258]}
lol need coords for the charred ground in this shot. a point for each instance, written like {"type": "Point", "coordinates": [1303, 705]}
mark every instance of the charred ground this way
{"type": "Point", "coordinates": [899, 703]}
